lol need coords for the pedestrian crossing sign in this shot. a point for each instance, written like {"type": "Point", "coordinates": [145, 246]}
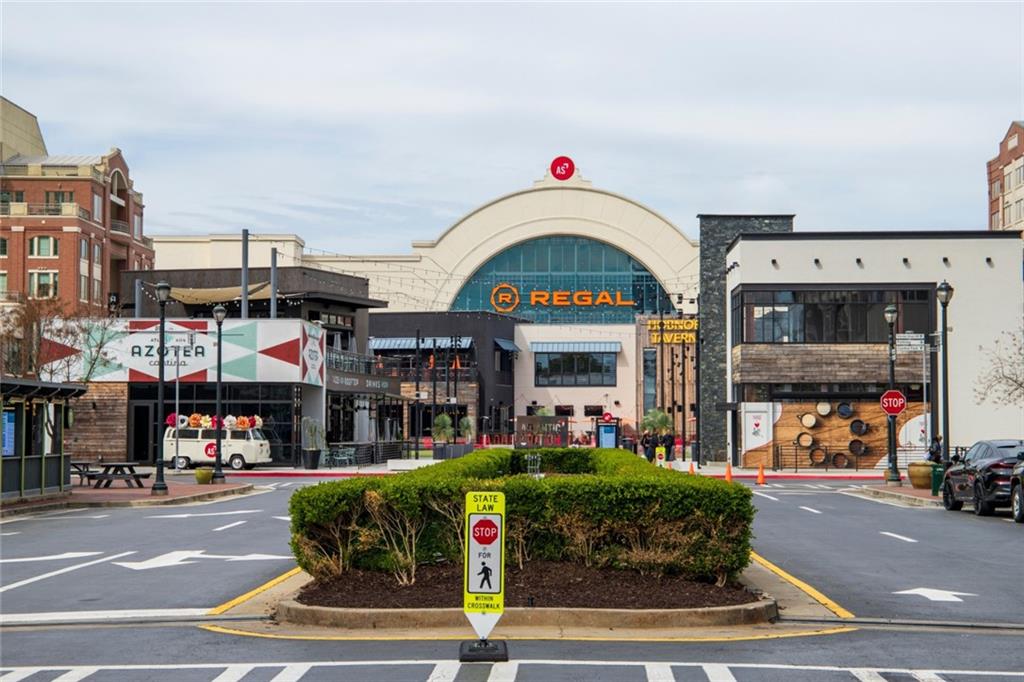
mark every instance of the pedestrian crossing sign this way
{"type": "Point", "coordinates": [484, 568]}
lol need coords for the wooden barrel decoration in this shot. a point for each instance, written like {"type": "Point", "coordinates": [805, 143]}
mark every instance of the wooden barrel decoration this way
{"type": "Point", "coordinates": [844, 410]}
{"type": "Point", "coordinates": [805, 440]}
{"type": "Point", "coordinates": [818, 456]}
{"type": "Point", "coordinates": [858, 427]}
{"type": "Point", "coordinates": [808, 420]}
{"type": "Point", "coordinates": [857, 447]}
{"type": "Point", "coordinates": [840, 460]}
{"type": "Point", "coordinates": [824, 408]}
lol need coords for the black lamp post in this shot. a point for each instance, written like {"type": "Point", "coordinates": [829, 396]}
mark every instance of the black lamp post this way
{"type": "Point", "coordinates": [893, 475]}
{"type": "Point", "coordinates": [163, 293]}
{"type": "Point", "coordinates": [944, 292]}
{"type": "Point", "coordinates": [219, 313]}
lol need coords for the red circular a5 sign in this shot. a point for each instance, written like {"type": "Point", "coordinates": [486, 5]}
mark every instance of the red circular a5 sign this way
{"type": "Point", "coordinates": [562, 168]}
{"type": "Point", "coordinates": [485, 531]}
{"type": "Point", "coordinates": [893, 402]}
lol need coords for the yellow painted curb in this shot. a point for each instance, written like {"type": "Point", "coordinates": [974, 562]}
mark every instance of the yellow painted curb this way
{"type": "Point", "coordinates": [393, 638]}
{"type": "Point", "coordinates": [801, 585]}
{"type": "Point", "coordinates": [241, 599]}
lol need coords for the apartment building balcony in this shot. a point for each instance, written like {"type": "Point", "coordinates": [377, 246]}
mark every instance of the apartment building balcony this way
{"type": "Point", "coordinates": [38, 170]}
{"type": "Point", "coordinates": [18, 209]}
{"type": "Point", "coordinates": [120, 226]}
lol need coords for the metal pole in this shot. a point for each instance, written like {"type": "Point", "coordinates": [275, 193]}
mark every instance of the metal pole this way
{"type": "Point", "coordinates": [455, 383]}
{"type": "Point", "coordinates": [273, 283]}
{"type": "Point", "coordinates": [696, 413]}
{"type": "Point", "coordinates": [218, 473]}
{"type": "Point", "coordinates": [893, 476]}
{"type": "Point", "coordinates": [245, 274]}
{"type": "Point", "coordinates": [433, 386]}
{"type": "Point", "coordinates": [159, 485]}
{"type": "Point", "coordinates": [945, 388]}
{"type": "Point", "coordinates": [672, 372]}
{"type": "Point", "coordinates": [661, 354]}
{"type": "Point", "coordinates": [682, 391]}
{"type": "Point", "coordinates": [138, 298]}
{"type": "Point", "coordinates": [418, 427]}
{"type": "Point", "coordinates": [924, 389]}
{"type": "Point", "coordinates": [177, 401]}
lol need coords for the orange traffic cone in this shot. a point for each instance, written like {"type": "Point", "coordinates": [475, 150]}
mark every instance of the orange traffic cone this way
{"type": "Point", "coordinates": [760, 474]}
{"type": "Point", "coordinates": [691, 469]}
{"type": "Point", "coordinates": [728, 472]}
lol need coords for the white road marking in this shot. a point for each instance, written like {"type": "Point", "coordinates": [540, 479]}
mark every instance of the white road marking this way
{"type": "Point", "coordinates": [292, 673]}
{"type": "Point", "coordinates": [76, 674]}
{"type": "Point", "coordinates": [504, 672]}
{"type": "Point", "coordinates": [188, 556]}
{"type": "Point", "coordinates": [932, 594]}
{"type": "Point", "coordinates": [95, 616]}
{"type": "Point", "coordinates": [230, 525]}
{"type": "Point", "coordinates": [233, 673]}
{"type": "Point", "coordinates": [808, 485]}
{"type": "Point", "coordinates": [283, 518]}
{"type": "Point", "coordinates": [17, 675]}
{"type": "Point", "coordinates": [50, 557]}
{"type": "Point", "coordinates": [44, 576]}
{"type": "Point", "coordinates": [813, 511]}
{"type": "Point", "coordinates": [15, 532]}
{"type": "Point", "coordinates": [898, 537]}
{"type": "Point", "coordinates": [867, 676]}
{"type": "Point", "coordinates": [927, 676]}
{"type": "Point", "coordinates": [65, 518]}
{"type": "Point", "coordinates": [657, 672]}
{"type": "Point", "coordinates": [717, 672]}
{"type": "Point", "coordinates": [189, 516]}
{"type": "Point", "coordinates": [773, 499]}
{"type": "Point", "coordinates": [445, 671]}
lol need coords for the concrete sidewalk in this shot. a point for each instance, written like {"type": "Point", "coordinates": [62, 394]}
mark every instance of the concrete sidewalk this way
{"type": "Point", "coordinates": [717, 470]}
{"type": "Point", "coordinates": [178, 492]}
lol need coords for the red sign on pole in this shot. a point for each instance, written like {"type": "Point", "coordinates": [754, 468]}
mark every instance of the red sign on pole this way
{"type": "Point", "coordinates": [607, 417]}
{"type": "Point", "coordinates": [211, 449]}
{"type": "Point", "coordinates": [485, 531]}
{"type": "Point", "coordinates": [562, 168]}
{"type": "Point", "coordinates": [893, 402]}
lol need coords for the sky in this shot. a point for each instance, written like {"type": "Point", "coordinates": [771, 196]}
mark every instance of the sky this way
{"type": "Point", "coordinates": [362, 127]}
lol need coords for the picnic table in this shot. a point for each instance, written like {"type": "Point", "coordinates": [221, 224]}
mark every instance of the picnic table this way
{"type": "Point", "coordinates": [116, 471]}
{"type": "Point", "coordinates": [81, 468]}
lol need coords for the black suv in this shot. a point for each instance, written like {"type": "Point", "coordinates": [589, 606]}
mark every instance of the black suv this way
{"type": "Point", "coordinates": [982, 476]}
{"type": "Point", "coordinates": [1017, 490]}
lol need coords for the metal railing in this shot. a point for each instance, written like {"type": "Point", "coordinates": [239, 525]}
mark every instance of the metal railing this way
{"type": "Point", "coordinates": [824, 458]}
{"type": "Point", "coordinates": [120, 226]}
{"type": "Point", "coordinates": [344, 361]}
{"type": "Point", "coordinates": [379, 452]}
{"type": "Point", "coordinates": [67, 208]}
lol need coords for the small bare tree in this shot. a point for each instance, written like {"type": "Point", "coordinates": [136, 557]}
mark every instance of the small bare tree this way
{"type": "Point", "coordinates": [1003, 381]}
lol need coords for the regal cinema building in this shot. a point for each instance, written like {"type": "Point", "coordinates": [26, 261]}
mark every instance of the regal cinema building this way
{"type": "Point", "coordinates": [588, 304]}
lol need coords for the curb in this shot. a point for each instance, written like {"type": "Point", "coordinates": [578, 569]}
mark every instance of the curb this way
{"type": "Point", "coordinates": [154, 502]}
{"type": "Point", "coordinates": [764, 611]}
{"type": "Point", "coordinates": [908, 499]}
{"type": "Point", "coordinates": [314, 473]}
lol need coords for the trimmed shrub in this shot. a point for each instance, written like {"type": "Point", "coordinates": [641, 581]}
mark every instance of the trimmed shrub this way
{"type": "Point", "coordinates": [602, 507]}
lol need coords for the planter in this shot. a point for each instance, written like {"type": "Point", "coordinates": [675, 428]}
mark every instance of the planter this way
{"type": "Point", "coordinates": [310, 459]}
{"type": "Point", "coordinates": [204, 475]}
{"type": "Point", "coordinates": [920, 475]}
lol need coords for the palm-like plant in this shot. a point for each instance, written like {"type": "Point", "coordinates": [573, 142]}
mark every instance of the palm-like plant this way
{"type": "Point", "coordinates": [657, 421]}
{"type": "Point", "coordinates": [442, 429]}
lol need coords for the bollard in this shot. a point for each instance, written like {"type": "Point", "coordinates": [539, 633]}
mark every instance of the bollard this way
{"type": "Point", "coordinates": [937, 476]}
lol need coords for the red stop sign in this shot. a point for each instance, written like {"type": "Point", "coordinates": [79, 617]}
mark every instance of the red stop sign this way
{"type": "Point", "coordinates": [893, 402]}
{"type": "Point", "coordinates": [210, 449]}
{"type": "Point", "coordinates": [485, 531]}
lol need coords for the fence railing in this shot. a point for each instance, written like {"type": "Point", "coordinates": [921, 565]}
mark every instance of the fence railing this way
{"type": "Point", "coordinates": [120, 226]}
{"type": "Point", "coordinates": [824, 458]}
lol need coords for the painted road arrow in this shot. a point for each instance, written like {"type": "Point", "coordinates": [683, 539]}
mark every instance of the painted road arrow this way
{"type": "Point", "coordinates": [189, 556]}
{"type": "Point", "coordinates": [189, 516]}
{"type": "Point", "coordinates": [932, 594]}
{"type": "Point", "coordinates": [51, 557]}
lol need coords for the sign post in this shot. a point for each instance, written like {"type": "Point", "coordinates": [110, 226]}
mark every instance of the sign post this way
{"type": "Point", "coordinates": [483, 579]}
{"type": "Point", "coordinates": [893, 402]}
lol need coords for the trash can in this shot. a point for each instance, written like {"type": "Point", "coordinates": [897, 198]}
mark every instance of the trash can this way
{"type": "Point", "coordinates": [937, 475]}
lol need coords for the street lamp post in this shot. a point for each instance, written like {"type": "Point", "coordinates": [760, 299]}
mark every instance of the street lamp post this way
{"type": "Point", "coordinates": [893, 475]}
{"type": "Point", "coordinates": [163, 293]}
{"type": "Point", "coordinates": [944, 292]}
{"type": "Point", "coordinates": [219, 313]}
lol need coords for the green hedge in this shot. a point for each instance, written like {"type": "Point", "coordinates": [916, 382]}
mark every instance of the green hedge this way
{"type": "Point", "coordinates": [614, 510]}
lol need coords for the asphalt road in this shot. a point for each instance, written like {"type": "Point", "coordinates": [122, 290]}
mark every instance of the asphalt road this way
{"type": "Point", "coordinates": [181, 565]}
{"type": "Point", "coordinates": [861, 553]}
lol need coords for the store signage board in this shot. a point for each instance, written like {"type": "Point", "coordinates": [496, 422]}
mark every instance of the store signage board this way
{"type": "Point", "coordinates": [893, 402]}
{"type": "Point", "coordinates": [562, 168]}
{"type": "Point", "coordinates": [483, 577]}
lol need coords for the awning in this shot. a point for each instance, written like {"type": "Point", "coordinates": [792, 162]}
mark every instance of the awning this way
{"type": "Point", "coordinates": [258, 291]}
{"type": "Point", "coordinates": [409, 342]}
{"type": "Point", "coordinates": [29, 388]}
{"type": "Point", "coordinates": [505, 344]}
{"type": "Point", "coordinates": [575, 346]}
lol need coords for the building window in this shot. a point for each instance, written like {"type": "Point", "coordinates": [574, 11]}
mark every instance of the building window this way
{"type": "Point", "coordinates": [1012, 141]}
{"type": "Point", "coordinates": [83, 288]}
{"type": "Point", "coordinates": [997, 188]}
{"type": "Point", "coordinates": [57, 198]}
{"type": "Point", "coordinates": [42, 284]}
{"type": "Point", "coordinates": [593, 410]}
{"type": "Point", "coordinates": [3, 283]}
{"type": "Point", "coordinates": [1018, 210]}
{"type": "Point", "coordinates": [44, 247]}
{"type": "Point", "coordinates": [97, 208]}
{"type": "Point", "coordinates": [650, 379]}
{"type": "Point", "coordinates": [827, 316]}
{"type": "Point", "coordinates": [83, 249]}
{"type": "Point", "coordinates": [97, 291]}
{"type": "Point", "coordinates": [97, 254]}
{"type": "Point", "coordinates": [564, 410]}
{"type": "Point", "coordinates": [3, 246]}
{"type": "Point", "coordinates": [574, 369]}
{"type": "Point", "coordinates": [137, 224]}
{"type": "Point", "coordinates": [8, 197]}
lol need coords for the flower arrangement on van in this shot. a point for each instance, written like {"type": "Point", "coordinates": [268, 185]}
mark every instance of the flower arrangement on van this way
{"type": "Point", "coordinates": [208, 421]}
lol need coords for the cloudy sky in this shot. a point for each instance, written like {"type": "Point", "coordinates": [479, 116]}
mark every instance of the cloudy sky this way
{"type": "Point", "coordinates": [364, 126]}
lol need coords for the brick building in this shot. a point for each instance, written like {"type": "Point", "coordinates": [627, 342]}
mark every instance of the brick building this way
{"type": "Point", "coordinates": [1006, 181]}
{"type": "Point", "coordinates": [69, 225]}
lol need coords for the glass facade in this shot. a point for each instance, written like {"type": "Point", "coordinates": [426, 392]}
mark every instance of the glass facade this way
{"type": "Point", "coordinates": [564, 280]}
{"type": "Point", "coordinates": [574, 369]}
{"type": "Point", "coordinates": [827, 315]}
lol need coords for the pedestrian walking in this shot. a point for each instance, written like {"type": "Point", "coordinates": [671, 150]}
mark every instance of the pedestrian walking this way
{"type": "Point", "coordinates": [647, 443]}
{"type": "Point", "coordinates": [668, 440]}
{"type": "Point", "coordinates": [935, 450]}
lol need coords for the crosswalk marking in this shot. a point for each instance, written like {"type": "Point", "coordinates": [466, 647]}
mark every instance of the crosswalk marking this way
{"type": "Point", "coordinates": [718, 673]}
{"type": "Point", "coordinates": [445, 671]}
{"type": "Point", "coordinates": [927, 676]}
{"type": "Point", "coordinates": [76, 675]}
{"type": "Point", "coordinates": [17, 675]}
{"type": "Point", "coordinates": [504, 672]}
{"type": "Point", "coordinates": [292, 673]}
{"type": "Point", "coordinates": [233, 673]}
{"type": "Point", "coordinates": [658, 672]}
{"type": "Point", "coordinates": [867, 676]}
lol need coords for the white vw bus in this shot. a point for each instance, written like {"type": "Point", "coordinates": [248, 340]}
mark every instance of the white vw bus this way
{"type": "Point", "coordinates": [240, 449]}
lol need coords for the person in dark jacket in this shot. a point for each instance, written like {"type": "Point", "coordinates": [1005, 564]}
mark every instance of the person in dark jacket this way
{"type": "Point", "coordinates": [647, 443]}
{"type": "Point", "coordinates": [935, 450]}
{"type": "Point", "coordinates": [668, 441]}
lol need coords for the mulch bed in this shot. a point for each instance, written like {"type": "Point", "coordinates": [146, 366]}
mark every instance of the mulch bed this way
{"type": "Point", "coordinates": [539, 584]}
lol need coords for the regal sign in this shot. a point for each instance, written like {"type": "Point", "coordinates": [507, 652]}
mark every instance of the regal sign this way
{"type": "Point", "coordinates": [505, 298]}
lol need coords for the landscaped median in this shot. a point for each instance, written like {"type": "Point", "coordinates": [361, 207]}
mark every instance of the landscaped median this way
{"type": "Point", "coordinates": [602, 538]}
